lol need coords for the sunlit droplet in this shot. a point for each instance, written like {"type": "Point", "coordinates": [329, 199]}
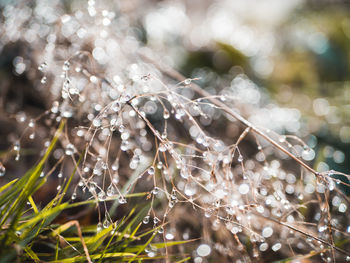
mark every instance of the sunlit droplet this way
{"type": "Point", "coordinates": [151, 170]}
{"type": "Point", "coordinates": [203, 250]}
{"type": "Point", "coordinates": [122, 200]}
{"type": "Point", "coordinates": [2, 170]}
{"type": "Point", "coordinates": [42, 66]}
{"type": "Point", "coordinates": [166, 114]}
{"type": "Point", "coordinates": [276, 247]}
{"type": "Point", "coordinates": [187, 81]}
{"type": "Point", "coordinates": [146, 219]}
{"type": "Point", "coordinates": [267, 232]}
{"type": "Point", "coordinates": [70, 149]}
{"type": "Point", "coordinates": [66, 65]}
{"type": "Point", "coordinates": [243, 189]}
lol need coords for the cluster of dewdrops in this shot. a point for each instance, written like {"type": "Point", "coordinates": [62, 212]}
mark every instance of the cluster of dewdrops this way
{"type": "Point", "coordinates": [128, 119]}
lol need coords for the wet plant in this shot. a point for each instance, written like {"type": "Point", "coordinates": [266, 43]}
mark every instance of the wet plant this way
{"type": "Point", "coordinates": [223, 166]}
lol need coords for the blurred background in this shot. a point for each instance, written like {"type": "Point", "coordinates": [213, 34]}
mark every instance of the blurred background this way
{"type": "Point", "coordinates": [296, 52]}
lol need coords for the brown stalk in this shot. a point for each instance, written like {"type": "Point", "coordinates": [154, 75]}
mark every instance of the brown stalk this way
{"type": "Point", "coordinates": [177, 76]}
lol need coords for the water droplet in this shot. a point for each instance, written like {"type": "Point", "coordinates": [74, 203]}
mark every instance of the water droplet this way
{"type": "Point", "coordinates": [99, 167]}
{"type": "Point", "coordinates": [31, 123]}
{"type": "Point", "coordinates": [166, 114]}
{"type": "Point", "coordinates": [243, 189]}
{"type": "Point", "coordinates": [151, 170]}
{"type": "Point", "coordinates": [169, 236]}
{"type": "Point", "coordinates": [184, 173]}
{"type": "Point", "coordinates": [156, 220]}
{"type": "Point", "coordinates": [164, 135]}
{"type": "Point", "coordinates": [66, 65]}
{"type": "Point", "coordinates": [223, 98]}
{"type": "Point", "coordinates": [21, 116]}
{"type": "Point", "coordinates": [208, 213]}
{"type": "Point", "coordinates": [96, 123]}
{"type": "Point", "coordinates": [16, 146]}
{"type": "Point", "coordinates": [260, 209]}
{"type": "Point", "coordinates": [2, 170]}
{"type": "Point", "coordinates": [173, 195]}
{"type": "Point", "coordinates": [124, 146]}
{"type": "Point", "coordinates": [240, 158]}
{"type": "Point", "coordinates": [74, 196]}
{"type": "Point", "coordinates": [101, 196]}
{"type": "Point", "coordinates": [161, 230]}
{"type": "Point", "coordinates": [115, 165]}
{"type": "Point", "coordinates": [159, 165]}
{"type": "Point", "coordinates": [42, 67]}
{"type": "Point", "coordinates": [116, 106]}
{"type": "Point", "coordinates": [146, 219]}
{"type": "Point", "coordinates": [263, 247]}
{"type": "Point", "coordinates": [110, 190]}
{"type": "Point", "coordinates": [122, 200]}
{"type": "Point", "coordinates": [171, 204]}
{"type": "Point", "coordinates": [155, 190]}
{"type": "Point", "coordinates": [99, 227]}
{"type": "Point", "coordinates": [92, 188]}
{"type": "Point", "coordinates": [276, 247]}
{"type": "Point", "coordinates": [125, 135]}
{"type": "Point", "coordinates": [267, 232]}
{"type": "Point", "coordinates": [308, 154]}
{"type": "Point", "coordinates": [70, 149]}
{"type": "Point", "coordinates": [93, 79]}
{"type": "Point", "coordinates": [121, 128]}
{"type": "Point", "coordinates": [203, 250]}
{"type": "Point", "coordinates": [190, 189]}
{"type": "Point", "coordinates": [187, 81]}
{"type": "Point", "coordinates": [43, 80]}
{"type": "Point", "coordinates": [32, 136]}
{"type": "Point", "coordinates": [106, 223]}
{"type": "Point", "coordinates": [162, 147]}
{"type": "Point", "coordinates": [342, 208]}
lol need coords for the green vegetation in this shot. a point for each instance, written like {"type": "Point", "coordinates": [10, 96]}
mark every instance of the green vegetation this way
{"type": "Point", "coordinates": [33, 235]}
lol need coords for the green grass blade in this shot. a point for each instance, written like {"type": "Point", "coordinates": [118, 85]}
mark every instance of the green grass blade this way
{"type": "Point", "coordinates": [3, 188]}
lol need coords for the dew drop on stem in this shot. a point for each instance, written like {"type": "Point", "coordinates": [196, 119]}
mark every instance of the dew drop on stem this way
{"type": "Point", "coordinates": [161, 230]}
{"type": "Point", "coordinates": [155, 190]}
{"type": "Point", "coordinates": [42, 67]}
{"type": "Point", "coordinates": [70, 149]}
{"type": "Point", "coordinates": [66, 65]}
{"type": "Point", "coordinates": [106, 223]}
{"type": "Point", "coordinates": [146, 219]}
{"type": "Point", "coordinates": [99, 227]}
{"type": "Point", "coordinates": [122, 200]}
{"type": "Point", "coordinates": [151, 170]}
{"type": "Point", "coordinates": [166, 114]}
{"type": "Point", "coordinates": [2, 170]}
{"type": "Point", "coordinates": [187, 81]}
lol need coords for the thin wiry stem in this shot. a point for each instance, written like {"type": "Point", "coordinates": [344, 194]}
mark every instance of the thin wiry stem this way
{"type": "Point", "coordinates": [179, 77]}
